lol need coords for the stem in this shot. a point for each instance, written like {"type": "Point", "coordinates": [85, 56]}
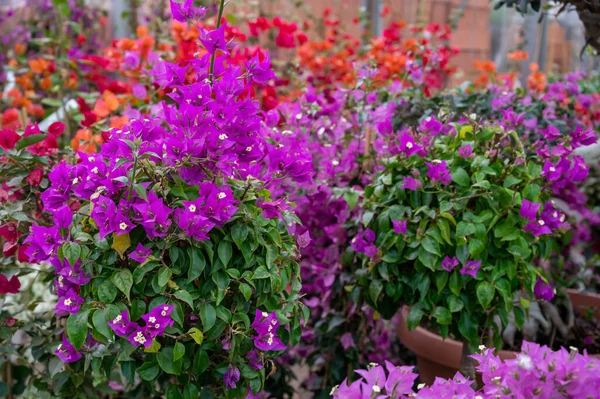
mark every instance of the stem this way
{"type": "Point", "coordinates": [132, 178]}
{"type": "Point", "coordinates": [212, 59]}
{"type": "Point", "coordinates": [467, 364]}
{"type": "Point", "coordinates": [9, 381]}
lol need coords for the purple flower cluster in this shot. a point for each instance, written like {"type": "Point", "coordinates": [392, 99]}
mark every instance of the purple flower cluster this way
{"type": "Point", "coordinates": [156, 321]}
{"type": "Point", "coordinates": [265, 324]}
{"type": "Point", "coordinates": [537, 372]}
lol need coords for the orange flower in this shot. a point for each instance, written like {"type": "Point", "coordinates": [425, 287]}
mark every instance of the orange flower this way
{"type": "Point", "coordinates": [141, 31]}
{"type": "Point", "coordinates": [46, 83]}
{"type": "Point", "coordinates": [38, 65]}
{"type": "Point", "coordinates": [35, 110]}
{"type": "Point", "coordinates": [537, 79]}
{"type": "Point", "coordinates": [518, 55]}
{"type": "Point", "coordinates": [101, 109]}
{"type": "Point", "coordinates": [118, 122]}
{"type": "Point", "coordinates": [112, 102]}
{"type": "Point", "coordinates": [85, 141]}
{"type": "Point", "coordinates": [19, 48]}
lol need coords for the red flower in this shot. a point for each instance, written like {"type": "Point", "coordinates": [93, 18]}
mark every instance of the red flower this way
{"type": "Point", "coordinates": [56, 128]}
{"type": "Point", "coordinates": [302, 38]}
{"type": "Point", "coordinates": [89, 119]}
{"type": "Point", "coordinates": [35, 177]}
{"type": "Point", "coordinates": [9, 249]}
{"type": "Point", "coordinates": [9, 286]}
{"type": "Point", "coordinates": [81, 39]}
{"type": "Point", "coordinates": [83, 107]}
{"type": "Point", "coordinates": [9, 232]}
{"type": "Point", "coordinates": [22, 256]}
{"type": "Point", "coordinates": [8, 138]}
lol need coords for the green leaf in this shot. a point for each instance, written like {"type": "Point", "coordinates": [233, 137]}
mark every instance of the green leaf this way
{"type": "Point", "coordinates": [71, 251]}
{"type": "Point", "coordinates": [271, 255]}
{"type": "Point", "coordinates": [185, 296]}
{"type": "Point", "coordinates": [261, 273]}
{"type": "Point", "coordinates": [30, 140]}
{"type": "Point", "coordinates": [52, 102]}
{"type": "Point", "coordinates": [468, 328]}
{"type": "Point", "coordinates": [173, 392]}
{"type": "Point", "coordinates": [77, 328]}
{"type": "Point", "coordinates": [99, 320]}
{"type": "Point", "coordinates": [461, 177]}
{"type": "Point", "coordinates": [351, 198]}
{"type": "Point", "coordinates": [442, 315]}
{"type": "Point", "coordinates": [167, 363]}
{"type": "Point", "coordinates": [196, 335]}
{"type": "Point", "coordinates": [455, 283]}
{"type": "Point", "coordinates": [221, 279]}
{"type": "Point", "coordinates": [148, 371]}
{"type": "Point", "coordinates": [154, 347]}
{"type": "Point", "coordinates": [239, 233]}
{"type": "Point", "coordinates": [198, 263]}
{"type": "Point", "coordinates": [246, 291]}
{"type": "Point", "coordinates": [485, 293]}
{"type": "Point", "coordinates": [178, 351]}
{"type": "Point", "coordinates": [164, 274]}
{"type": "Point", "coordinates": [123, 280]}
{"type": "Point", "coordinates": [441, 279]}
{"type": "Point", "coordinates": [519, 317]}
{"type": "Point", "coordinates": [464, 229]}
{"type": "Point", "coordinates": [476, 247]}
{"type": "Point", "coordinates": [431, 246]}
{"type": "Point", "coordinates": [455, 304]}
{"type": "Point", "coordinates": [63, 7]}
{"type": "Point", "coordinates": [444, 230]}
{"type": "Point", "coordinates": [448, 216]}
{"type": "Point", "coordinates": [191, 392]}
{"type": "Point", "coordinates": [511, 181]}
{"type": "Point", "coordinates": [107, 292]}
{"type": "Point", "coordinates": [208, 316]}
{"type": "Point", "coordinates": [201, 363]}
{"type": "Point", "coordinates": [375, 289]}
{"type": "Point", "coordinates": [428, 259]}
{"type": "Point", "coordinates": [141, 191]}
{"type": "Point", "coordinates": [414, 317]}
{"type": "Point", "coordinates": [225, 252]}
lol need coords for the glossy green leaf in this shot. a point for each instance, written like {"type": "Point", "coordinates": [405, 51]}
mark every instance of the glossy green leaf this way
{"type": "Point", "coordinates": [77, 328]}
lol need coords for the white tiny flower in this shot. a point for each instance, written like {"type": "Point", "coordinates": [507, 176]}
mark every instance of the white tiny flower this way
{"type": "Point", "coordinates": [76, 180]}
{"type": "Point", "coordinates": [541, 222]}
{"type": "Point", "coordinates": [335, 162]}
{"type": "Point", "coordinates": [91, 159]}
{"type": "Point", "coordinates": [68, 302]}
{"type": "Point", "coordinates": [249, 148]}
{"type": "Point", "coordinates": [409, 145]}
{"type": "Point", "coordinates": [420, 386]}
{"type": "Point", "coordinates": [151, 319]}
{"type": "Point", "coordinates": [562, 218]}
{"type": "Point", "coordinates": [95, 170]}
{"type": "Point", "coordinates": [333, 390]}
{"type": "Point", "coordinates": [299, 116]}
{"type": "Point", "coordinates": [376, 389]}
{"type": "Point", "coordinates": [481, 348]}
{"type": "Point", "coordinates": [222, 136]}
{"type": "Point", "coordinates": [222, 195]}
{"type": "Point", "coordinates": [117, 319]}
{"type": "Point", "coordinates": [436, 161]}
{"type": "Point", "coordinates": [188, 101]}
{"type": "Point", "coordinates": [163, 313]}
{"type": "Point", "coordinates": [123, 226]}
{"type": "Point", "coordinates": [192, 208]}
{"type": "Point", "coordinates": [552, 169]}
{"type": "Point", "coordinates": [157, 325]}
{"type": "Point", "coordinates": [264, 314]}
{"type": "Point", "coordinates": [524, 361]}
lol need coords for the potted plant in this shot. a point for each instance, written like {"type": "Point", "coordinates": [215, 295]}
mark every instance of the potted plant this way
{"type": "Point", "coordinates": [453, 226]}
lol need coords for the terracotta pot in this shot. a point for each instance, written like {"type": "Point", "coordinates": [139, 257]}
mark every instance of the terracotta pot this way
{"type": "Point", "coordinates": [437, 357]}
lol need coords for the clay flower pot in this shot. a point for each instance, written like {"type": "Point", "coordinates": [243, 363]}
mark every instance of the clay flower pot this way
{"type": "Point", "coordinates": [437, 357]}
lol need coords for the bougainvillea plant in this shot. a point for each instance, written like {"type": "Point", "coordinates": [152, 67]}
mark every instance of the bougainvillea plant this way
{"type": "Point", "coordinates": [536, 372]}
{"type": "Point", "coordinates": [454, 224]}
{"type": "Point", "coordinates": [171, 260]}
